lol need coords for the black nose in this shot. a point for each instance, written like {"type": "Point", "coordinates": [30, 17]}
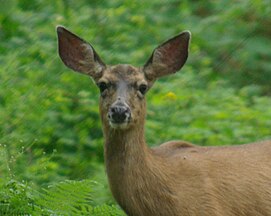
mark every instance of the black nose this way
{"type": "Point", "coordinates": [119, 114]}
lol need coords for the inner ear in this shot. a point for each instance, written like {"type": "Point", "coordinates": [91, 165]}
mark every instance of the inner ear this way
{"type": "Point", "coordinates": [169, 57]}
{"type": "Point", "coordinates": [77, 54]}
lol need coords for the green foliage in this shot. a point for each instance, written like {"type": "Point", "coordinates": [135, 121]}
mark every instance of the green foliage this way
{"type": "Point", "coordinates": [15, 198]}
{"type": "Point", "coordinates": [64, 198]}
{"type": "Point", "coordinates": [74, 198]}
{"type": "Point", "coordinates": [240, 116]}
{"type": "Point", "coordinates": [49, 121]}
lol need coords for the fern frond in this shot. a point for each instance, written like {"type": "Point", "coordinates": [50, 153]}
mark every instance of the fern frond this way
{"type": "Point", "coordinates": [74, 198]}
{"type": "Point", "coordinates": [68, 198]}
{"type": "Point", "coordinates": [16, 199]}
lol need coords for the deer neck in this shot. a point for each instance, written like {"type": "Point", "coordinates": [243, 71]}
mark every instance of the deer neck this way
{"type": "Point", "coordinates": [133, 173]}
{"type": "Point", "coordinates": [125, 147]}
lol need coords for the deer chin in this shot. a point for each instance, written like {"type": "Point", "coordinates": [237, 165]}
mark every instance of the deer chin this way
{"type": "Point", "coordinates": [122, 126]}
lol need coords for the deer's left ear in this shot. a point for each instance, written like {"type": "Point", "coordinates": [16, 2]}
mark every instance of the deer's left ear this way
{"type": "Point", "coordinates": [169, 57]}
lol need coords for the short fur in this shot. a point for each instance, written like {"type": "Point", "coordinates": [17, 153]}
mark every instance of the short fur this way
{"type": "Point", "coordinates": [177, 178]}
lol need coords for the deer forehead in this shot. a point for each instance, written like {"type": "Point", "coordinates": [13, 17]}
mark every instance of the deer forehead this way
{"type": "Point", "coordinates": [123, 73]}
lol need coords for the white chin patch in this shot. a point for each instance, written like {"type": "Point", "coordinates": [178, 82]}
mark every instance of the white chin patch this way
{"type": "Point", "coordinates": [118, 126]}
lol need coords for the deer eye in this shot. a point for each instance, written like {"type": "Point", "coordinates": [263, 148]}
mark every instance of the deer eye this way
{"type": "Point", "coordinates": [102, 86]}
{"type": "Point", "coordinates": [143, 88]}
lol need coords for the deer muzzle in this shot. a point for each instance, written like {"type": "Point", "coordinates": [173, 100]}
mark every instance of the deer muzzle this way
{"type": "Point", "coordinates": [119, 114]}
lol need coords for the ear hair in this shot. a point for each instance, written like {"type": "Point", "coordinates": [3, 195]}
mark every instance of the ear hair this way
{"type": "Point", "coordinates": [169, 57]}
{"type": "Point", "coordinates": [78, 55]}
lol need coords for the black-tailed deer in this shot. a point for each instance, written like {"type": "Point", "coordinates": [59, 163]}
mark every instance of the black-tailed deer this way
{"type": "Point", "coordinates": [176, 178]}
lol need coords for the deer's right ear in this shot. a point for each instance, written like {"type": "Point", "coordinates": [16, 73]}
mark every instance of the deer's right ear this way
{"type": "Point", "coordinates": [78, 55]}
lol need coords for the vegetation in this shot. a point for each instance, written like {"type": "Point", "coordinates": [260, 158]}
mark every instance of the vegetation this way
{"type": "Point", "coordinates": [51, 144]}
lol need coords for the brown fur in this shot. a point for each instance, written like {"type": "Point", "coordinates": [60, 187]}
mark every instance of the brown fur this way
{"type": "Point", "coordinates": [177, 178]}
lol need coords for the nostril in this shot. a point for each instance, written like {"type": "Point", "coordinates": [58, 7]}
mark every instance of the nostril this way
{"type": "Point", "coordinates": [118, 109]}
{"type": "Point", "coordinates": [113, 109]}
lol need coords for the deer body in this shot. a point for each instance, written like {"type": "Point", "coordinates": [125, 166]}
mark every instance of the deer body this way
{"type": "Point", "coordinates": [176, 178]}
{"type": "Point", "coordinates": [188, 180]}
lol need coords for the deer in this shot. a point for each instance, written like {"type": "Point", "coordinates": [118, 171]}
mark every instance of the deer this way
{"type": "Point", "coordinates": [176, 178]}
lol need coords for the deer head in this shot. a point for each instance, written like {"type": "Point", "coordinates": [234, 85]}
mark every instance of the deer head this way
{"type": "Point", "coordinates": [122, 87]}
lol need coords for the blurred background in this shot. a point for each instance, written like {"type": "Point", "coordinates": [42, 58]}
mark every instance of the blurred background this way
{"type": "Point", "coordinates": [51, 142]}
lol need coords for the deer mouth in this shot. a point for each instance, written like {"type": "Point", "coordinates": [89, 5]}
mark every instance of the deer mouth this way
{"type": "Point", "coordinates": [119, 125]}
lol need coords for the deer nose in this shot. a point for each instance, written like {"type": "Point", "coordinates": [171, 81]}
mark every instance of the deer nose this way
{"type": "Point", "coordinates": [119, 114]}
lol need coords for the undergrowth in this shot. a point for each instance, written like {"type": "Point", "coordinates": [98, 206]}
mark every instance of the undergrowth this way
{"type": "Point", "coordinates": [64, 198]}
